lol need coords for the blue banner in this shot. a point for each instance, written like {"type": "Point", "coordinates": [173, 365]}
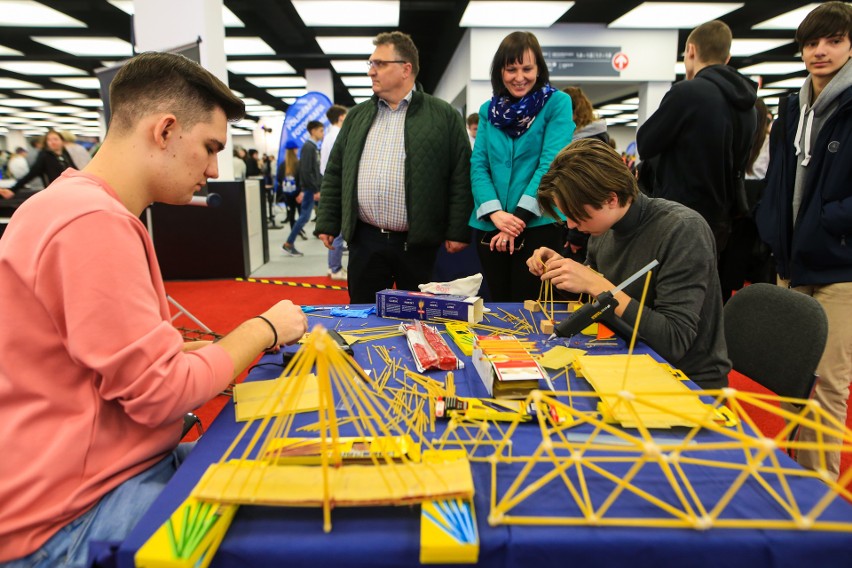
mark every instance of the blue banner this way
{"type": "Point", "coordinates": [306, 108]}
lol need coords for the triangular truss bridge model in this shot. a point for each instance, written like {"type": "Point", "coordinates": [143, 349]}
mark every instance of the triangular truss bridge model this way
{"type": "Point", "coordinates": [382, 464]}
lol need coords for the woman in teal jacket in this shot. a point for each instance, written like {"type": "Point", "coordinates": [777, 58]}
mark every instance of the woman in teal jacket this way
{"type": "Point", "coordinates": [521, 129]}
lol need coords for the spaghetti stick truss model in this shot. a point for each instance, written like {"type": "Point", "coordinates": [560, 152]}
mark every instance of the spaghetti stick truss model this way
{"type": "Point", "coordinates": [597, 473]}
{"type": "Point", "coordinates": [382, 464]}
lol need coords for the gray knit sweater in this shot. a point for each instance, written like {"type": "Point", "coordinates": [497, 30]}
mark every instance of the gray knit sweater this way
{"type": "Point", "coordinates": [682, 318]}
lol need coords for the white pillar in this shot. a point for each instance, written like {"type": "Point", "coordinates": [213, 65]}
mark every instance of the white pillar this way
{"type": "Point", "coordinates": [650, 95]}
{"type": "Point", "coordinates": [320, 80]}
{"type": "Point", "coordinates": [162, 25]}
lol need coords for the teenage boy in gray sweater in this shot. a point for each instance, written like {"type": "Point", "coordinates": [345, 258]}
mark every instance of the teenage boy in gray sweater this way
{"type": "Point", "coordinates": [682, 316]}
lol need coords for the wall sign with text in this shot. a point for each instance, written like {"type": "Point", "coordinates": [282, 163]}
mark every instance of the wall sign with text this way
{"type": "Point", "coordinates": [582, 61]}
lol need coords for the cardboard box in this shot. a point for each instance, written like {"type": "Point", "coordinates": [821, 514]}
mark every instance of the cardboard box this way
{"type": "Point", "coordinates": [405, 304]}
{"type": "Point", "coordinates": [510, 374]}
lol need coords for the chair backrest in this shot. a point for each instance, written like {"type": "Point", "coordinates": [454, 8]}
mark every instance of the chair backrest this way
{"type": "Point", "coordinates": [776, 337]}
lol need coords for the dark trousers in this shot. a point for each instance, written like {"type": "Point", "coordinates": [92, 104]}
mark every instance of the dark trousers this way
{"type": "Point", "coordinates": [508, 277]}
{"type": "Point", "coordinates": [378, 260]}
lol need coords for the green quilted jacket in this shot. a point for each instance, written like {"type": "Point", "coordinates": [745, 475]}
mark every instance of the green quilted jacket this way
{"type": "Point", "coordinates": [437, 173]}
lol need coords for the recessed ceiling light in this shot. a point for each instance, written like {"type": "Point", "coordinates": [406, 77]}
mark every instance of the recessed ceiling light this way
{"type": "Point", "coordinates": [487, 14]}
{"type": "Point", "coordinates": [786, 21]}
{"type": "Point", "coordinates": [355, 81]}
{"type": "Point", "coordinates": [633, 124]}
{"type": "Point", "coordinates": [767, 92]}
{"type": "Point", "coordinates": [27, 14]}
{"type": "Point", "coordinates": [34, 114]}
{"type": "Point", "coordinates": [620, 106]}
{"type": "Point", "coordinates": [289, 100]}
{"type": "Point", "coordinates": [24, 103]}
{"type": "Point", "coordinates": [359, 92]}
{"type": "Point", "coordinates": [342, 45]}
{"type": "Point", "coordinates": [51, 94]}
{"type": "Point", "coordinates": [280, 93]}
{"type": "Point", "coordinates": [94, 103]}
{"type": "Point", "coordinates": [259, 67]}
{"type": "Point", "coordinates": [9, 83]}
{"type": "Point", "coordinates": [603, 112]}
{"type": "Point", "coordinates": [9, 51]}
{"type": "Point", "coordinates": [631, 101]}
{"type": "Point", "coordinates": [614, 121]}
{"type": "Point", "coordinates": [230, 19]}
{"type": "Point", "coordinates": [78, 82]}
{"type": "Point", "coordinates": [66, 119]}
{"type": "Point", "coordinates": [250, 101]}
{"type": "Point", "coordinates": [748, 47]}
{"type": "Point", "coordinates": [247, 46]}
{"type": "Point", "coordinates": [252, 108]}
{"type": "Point", "coordinates": [40, 68]}
{"type": "Point", "coordinates": [272, 112]}
{"type": "Point", "coordinates": [349, 66]}
{"type": "Point", "coordinates": [792, 83]}
{"type": "Point", "coordinates": [359, 100]}
{"type": "Point", "coordinates": [773, 68]}
{"type": "Point", "coordinates": [673, 15]}
{"type": "Point", "coordinates": [771, 101]}
{"type": "Point", "coordinates": [291, 81]}
{"type": "Point", "coordinates": [88, 114]}
{"type": "Point", "coordinates": [87, 46]}
{"type": "Point", "coordinates": [58, 109]}
{"type": "Point", "coordinates": [348, 13]}
{"type": "Point", "coordinates": [630, 116]}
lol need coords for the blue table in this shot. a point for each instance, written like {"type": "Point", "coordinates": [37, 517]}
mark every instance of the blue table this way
{"type": "Point", "coordinates": [390, 536]}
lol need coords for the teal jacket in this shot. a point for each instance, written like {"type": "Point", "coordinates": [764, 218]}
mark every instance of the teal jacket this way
{"type": "Point", "coordinates": [437, 173]}
{"type": "Point", "coordinates": [505, 172]}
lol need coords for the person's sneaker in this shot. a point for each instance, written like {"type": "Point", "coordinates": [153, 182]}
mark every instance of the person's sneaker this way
{"type": "Point", "coordinates": [290, 250]}
{"type": "Point", "coordinates": [339, 275]}
{"type": "Point", "coordinates": [303, 235]}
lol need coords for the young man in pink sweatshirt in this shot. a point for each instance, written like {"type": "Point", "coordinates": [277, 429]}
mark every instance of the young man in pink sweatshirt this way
{"type": "Point", "coordinates": [94, 379]}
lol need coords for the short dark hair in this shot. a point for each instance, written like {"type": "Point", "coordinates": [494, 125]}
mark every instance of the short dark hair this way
{"type": "Point", "coordinates": [334, 113]}
{"type": "Point", "coordinates": [512, 50]}
{"type": "Point", "coordinates": [166, 82]}
{"type": "Point", "coordinates": [826, 20]}
{"type": "Point", "coordinates": [404, 47]}
{"type": "Point", "coordinates": [712, 41]}
{"type": "Point", "coordinates": [585, 173]}
{"type": "Point", "coordinates": [314, 124]}
{"type": "Point", "coordinates": [472, 118]}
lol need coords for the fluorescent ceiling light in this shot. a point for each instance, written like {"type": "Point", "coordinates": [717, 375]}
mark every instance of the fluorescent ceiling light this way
{"type": "Point", "coordinates": [78, 82]}
{"type": "Point", "coordinates": [351, 67]}
{"type": "Point", "coordinates": [355, 81]}
{"type": "Point", "coordinates": [27, 14]}
{"type": "Point", "coordinates": [260, 67]}
{"type": "Point", "coordinates": [7, 110]}
{"type": "Point", "coordinates": [9, 51]}
{"type": "Point", "coordinates": [88, 114]}
{"type": "Point", "coordinates": [245, 123]}
{"type": "Point", "coordinates": [289, 100]}
{"type": "Point", "coordinates": [631, 101]}
{"type": "Point", "coordinates": [792, 83]}
{"type": "Point", "coordinates": [247, 46]}
{"type": "Point", "coordinates": [51, 94]}
{"type": "Point", "coordinates": [280, 93]}
{"type": "Point", "coordinates": [87, 46]}
{"type": "Point", "coordinates": [680, 68]}
{"type": "Point", "coordinates": [250, 101]}
{"type": "Point", "coordinates": [237, 94]}
{"type": "Point", "coordinates": [633, 124]}
{"type": "Point", "coordinates": [602, 112]}
{"type": "Point", "coordinates": [748, 47]}
{"type": "Point", "coordinates": [13, 120]}
{"type": "Point", "coordinates": [272, 112]}
{"type": "Point", "coordinates": [629, 116]}
{"type": "Point", "coordinates": [620, 106]}
{"type": "Point", "coordinates": [773, 68]}
{"type": "Point", "coordinates": [359, 100]}
{"type": "Point", "coordinates": [40, 68]}
{"type": "Point", "coordinates": [264, 82]}
{"type": "Point", "coordinates": [66, 119]}
{"type": "Point", "coordinates": [786, 21]}
{"type": "Point", "coordinates": [613, 121]}
{"type": "Point", "coordinates": [24, 103]}
{"type": "Point", "coordinates": [230, 19]}
{"type": "Point", "coordinates": [342, 45]}
{"type": "Point", "coordinates": [34, 114]}
{"type": "Point", "coordinates": [487, 14]}
{"type": "Point", "coordinates": [361, 92]}
{"type": "Point", "coordinates": [9, 83]}
{"type": "Point", "coordinates": [94, 103]}
{"type": "Point", "coordinates": [768, 92]}
{"type": "Point", "coordinates": [673, 15]}
{"type": "Point", "coordinates": [772, 101]}
{"type": "Point", "coordinates": [257, 108]}
{"type": "Point", "coordinates": [351, 13]}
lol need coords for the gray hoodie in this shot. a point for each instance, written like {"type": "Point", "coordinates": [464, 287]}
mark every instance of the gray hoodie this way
{"type": "Point", "coordinates": [811, 119]}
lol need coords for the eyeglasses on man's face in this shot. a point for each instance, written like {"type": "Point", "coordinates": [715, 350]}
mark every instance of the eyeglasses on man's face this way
{"type": "Point", "coordinates": [381, 63]}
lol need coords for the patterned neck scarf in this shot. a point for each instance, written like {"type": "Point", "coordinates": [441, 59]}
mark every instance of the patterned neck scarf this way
{"type": "Point", "coordinates": [515, 118]}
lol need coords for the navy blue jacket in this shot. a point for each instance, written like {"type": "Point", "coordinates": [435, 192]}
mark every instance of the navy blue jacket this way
{"type": "Point", "coordinates": [819, 250]}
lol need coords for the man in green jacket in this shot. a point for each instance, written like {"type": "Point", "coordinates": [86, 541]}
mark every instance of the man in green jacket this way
{"type": "Point", "coordinates": [397, 184]}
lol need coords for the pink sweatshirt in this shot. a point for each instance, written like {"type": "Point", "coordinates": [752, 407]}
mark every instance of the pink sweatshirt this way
{"type": "Point", "coordinates": [93, 379]}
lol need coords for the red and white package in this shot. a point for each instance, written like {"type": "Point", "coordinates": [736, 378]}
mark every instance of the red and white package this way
{"type": "Point", "coordinates": [429, 348]}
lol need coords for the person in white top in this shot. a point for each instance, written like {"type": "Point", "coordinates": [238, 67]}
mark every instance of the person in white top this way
{"type": "Point", "coordinates": [336, 114]}
{"type": "Point", "coordinates": [18, 165]}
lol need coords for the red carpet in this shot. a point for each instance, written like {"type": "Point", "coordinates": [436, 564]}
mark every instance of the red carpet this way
{"type": "Point", "coordinates": [224, 304]}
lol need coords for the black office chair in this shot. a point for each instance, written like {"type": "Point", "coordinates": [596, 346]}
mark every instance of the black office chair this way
{"type": "Point", "coordinates": [776, 337]}
{"type": "Point", "coordinates": [190, 420]}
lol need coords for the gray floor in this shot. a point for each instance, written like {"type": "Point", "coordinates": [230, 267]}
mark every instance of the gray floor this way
{"type": "Point", "coordinates": [314, 263]}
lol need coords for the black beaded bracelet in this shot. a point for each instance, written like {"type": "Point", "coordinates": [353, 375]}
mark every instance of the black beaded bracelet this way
{"type": "Point", "coordinates": [274, 333]}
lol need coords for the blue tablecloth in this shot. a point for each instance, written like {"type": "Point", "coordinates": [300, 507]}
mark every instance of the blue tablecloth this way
{"type": "Point", "coordinates": [390, 536]}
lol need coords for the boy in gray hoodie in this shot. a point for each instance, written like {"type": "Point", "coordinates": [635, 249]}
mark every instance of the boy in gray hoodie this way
{"type": "Point", "coordinates": [806, 212]}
